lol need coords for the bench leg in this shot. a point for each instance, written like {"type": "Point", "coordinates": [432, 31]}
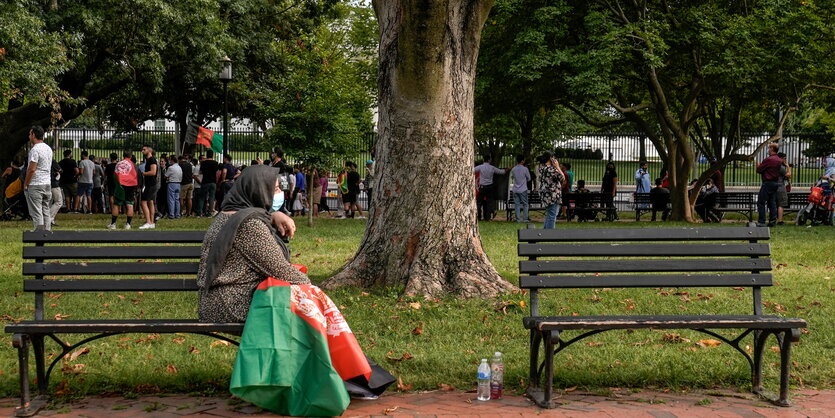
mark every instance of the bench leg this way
{"type": "Point", "coordinates": [534, 366]}
{"type": "Point", "coordinates": [542, 395]}
{"type": "Point", "coordinates": [40, 363]}
{"type": "Point", "coordinates": [757, 373]}
{"type": "Point", "coordinates": [28, 407]}
{"type": "Point", "coordinates": [785, 367]}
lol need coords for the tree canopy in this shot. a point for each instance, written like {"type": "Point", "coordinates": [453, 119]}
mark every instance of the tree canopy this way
{"type": "Point", "coordinates": [150, 60]}
{"type": "Point", "coordinates": [689, 75]}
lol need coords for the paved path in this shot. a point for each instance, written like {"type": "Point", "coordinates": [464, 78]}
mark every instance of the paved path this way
{"type": "Point", "coordinates": [613, 403]}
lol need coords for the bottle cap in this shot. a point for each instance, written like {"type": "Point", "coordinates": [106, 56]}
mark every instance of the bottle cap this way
{"type": "Point", "coordinates": [497, 353]}
{"type": "Point", "coordinates": [484, 359]}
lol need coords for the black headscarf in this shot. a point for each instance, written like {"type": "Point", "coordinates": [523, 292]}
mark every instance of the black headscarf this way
{"type": "Point", "coordinates": [251, 197]}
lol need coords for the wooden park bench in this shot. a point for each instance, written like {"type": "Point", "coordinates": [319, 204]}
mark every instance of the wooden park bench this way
{"type": "Point", "coordinates": [797, 201]}
{"type": "Point", "coordinates": [650, 258]}
{"type": "Point", "coordinates": [534, 204]}
{"type": "Point", "coordinates": [643, 203]}
{"type": "Point", "coordinates": [739, 202]}
{"type": "Point", "coordinates": [587, 206]}
{"type": "Point", "coordinates": [97, 262]}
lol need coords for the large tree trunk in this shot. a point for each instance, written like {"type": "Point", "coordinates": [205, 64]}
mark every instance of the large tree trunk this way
{"type": "Point", "coordinates": [422, 232]}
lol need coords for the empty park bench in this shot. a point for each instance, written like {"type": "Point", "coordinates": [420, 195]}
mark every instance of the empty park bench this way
{"type": "Point", "coordinates": [739, 202]}
{"type": "Point", "coordinates": [797, 201]}
{"type": "Point", "coordinates": [587, 206]}
{"type": "Point", "coordinates": [98, 262]}
{"type": "Point", "coordinates": [650, 258]}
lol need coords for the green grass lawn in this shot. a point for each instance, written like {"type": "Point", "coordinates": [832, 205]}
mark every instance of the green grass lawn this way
{"type": "Point", "coordinates": [454, 334]}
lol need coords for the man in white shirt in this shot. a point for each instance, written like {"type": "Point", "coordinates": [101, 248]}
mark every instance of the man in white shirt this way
{"type": "Point", "coordinates": [521, 177]}
{"type": "Point", "coordinates": [174, 175]}
{"type": "Point", "coordinates": [486, 188]}
{"type": "Point", "coordinates": [85, 183]}
{"type": "Point", "coordinates": [37, 184]}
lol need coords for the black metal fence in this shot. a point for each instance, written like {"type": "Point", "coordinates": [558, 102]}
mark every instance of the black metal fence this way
{"type": "Point", "coordinates": [244, 145]}
{"type": "Point", "coordinates": [587, 153]}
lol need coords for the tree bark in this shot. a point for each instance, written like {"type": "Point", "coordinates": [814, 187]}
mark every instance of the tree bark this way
{"type": "Point", "coordinates": [422, 231]}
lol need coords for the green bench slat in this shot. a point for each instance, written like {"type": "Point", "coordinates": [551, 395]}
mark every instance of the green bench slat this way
{"type": "Point", "coordinates": [111, 252]}
{"type": "Point", "coordinates": [645, 280]}
{"type": "Point", "coordinates": [643, 265]}
{"type": "Point", "coordinates": [94, 237]}
{"type": "Point", "coordinates": [544, 323]}
{"type": "Point", "coordinates": [162, 326]}
{"type": "Point", "coordinates": [118, 269]}
{"type": "Point", "coordinates": [642, 234]}
{"type": "Point", "coordinates": [643, 249]}
{"type": "Point", "coordinates": [110, 285]}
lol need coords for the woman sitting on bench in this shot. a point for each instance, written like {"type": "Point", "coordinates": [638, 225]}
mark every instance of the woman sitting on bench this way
{"type": "Point", "coordinates": [296, 347]}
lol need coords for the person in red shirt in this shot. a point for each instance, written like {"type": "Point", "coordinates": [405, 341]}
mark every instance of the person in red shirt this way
{"type": "Point", "coordinates": [769, 169]}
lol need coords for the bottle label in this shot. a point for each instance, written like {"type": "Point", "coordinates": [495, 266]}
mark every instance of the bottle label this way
{"type": "Point", "coordinates": [483, 375]}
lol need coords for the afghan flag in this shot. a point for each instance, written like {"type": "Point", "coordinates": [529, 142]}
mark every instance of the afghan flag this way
{"type": "Point", "coordinates": [295, 352]}
{"type": "Point", "coordinates": [209, 139]}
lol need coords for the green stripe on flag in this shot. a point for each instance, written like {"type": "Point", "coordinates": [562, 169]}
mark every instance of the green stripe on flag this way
{"type": "Point", "coordinates": [283, 363]}
{"type": "Point", "coordinates": [217, 144]}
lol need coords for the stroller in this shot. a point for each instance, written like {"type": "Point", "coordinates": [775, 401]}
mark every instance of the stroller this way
{"type": "Point", "coordinates": [14, 203]}
{"type": "Point", "coordinates": [820, 207]}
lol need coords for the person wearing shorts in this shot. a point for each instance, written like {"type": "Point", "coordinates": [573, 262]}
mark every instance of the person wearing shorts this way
{"type": "Point", "coordinates": [123, 195]}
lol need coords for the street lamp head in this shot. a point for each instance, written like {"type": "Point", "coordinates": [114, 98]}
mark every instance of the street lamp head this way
{"type": "Point", "coordinates": [226, 69]}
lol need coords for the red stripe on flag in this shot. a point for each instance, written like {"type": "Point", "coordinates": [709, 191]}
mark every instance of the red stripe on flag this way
{"type": "Point", "coordinates": [204, 136]}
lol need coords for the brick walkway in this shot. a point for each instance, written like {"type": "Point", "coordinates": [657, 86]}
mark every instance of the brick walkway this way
{"type": "Point", "coordinates": [613, 403]}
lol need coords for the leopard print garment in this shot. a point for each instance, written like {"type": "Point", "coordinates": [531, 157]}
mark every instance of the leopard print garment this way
{"type": "Point", "coordinates": [254, 256]}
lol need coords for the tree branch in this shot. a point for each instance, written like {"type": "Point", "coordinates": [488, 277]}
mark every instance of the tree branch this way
{"type": "Point", "coordinates": [595, 123]}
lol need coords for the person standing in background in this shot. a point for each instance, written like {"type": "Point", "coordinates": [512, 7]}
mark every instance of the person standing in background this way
{"type": "Point", "coordinates": [69, 181]}
{"type": "Point", "coordinates": [149, 192]}
{"type": "Point", "coordinates": [37, 185]}
{"type": "Point", "coordinates": [486, 188]}
{"type": "Point", "coordinates": [521, 176]}
{"type": "Point", "coordinates": [174, 177]}
{"type": "Point", "coordinates": [186, 184]}
{"type": "Point", "coordinates": [208, 169]}
{"type": "Point", "coordinates": [368, 182]}
{"type": "Point", "coordinates": [769, 169]}
{"type": "Point", "coordinates": [608, 191]}
{"type": "Point", "coordinates": [85, 184]}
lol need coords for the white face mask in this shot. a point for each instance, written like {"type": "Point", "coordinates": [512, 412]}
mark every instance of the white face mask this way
{"type": "Point", "coordinates": [278, 200]}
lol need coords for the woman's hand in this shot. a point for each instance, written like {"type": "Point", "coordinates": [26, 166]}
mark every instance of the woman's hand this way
{"type": "Point", "coordinates": [285, 224]}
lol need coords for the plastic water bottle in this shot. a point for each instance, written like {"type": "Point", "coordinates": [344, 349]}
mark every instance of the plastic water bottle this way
{"type": "Point", "coordinates": [496, 376]}
{"type": "Point", "coordinates": [484, 380]}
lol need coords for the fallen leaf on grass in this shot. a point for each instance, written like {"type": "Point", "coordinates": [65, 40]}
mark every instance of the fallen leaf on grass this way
{"type": "Point", "coordinates": [594, 344]}
{"type": "Point", "coordinates": [571, 389]}
{"type": "Point", "coordinates": [405, 356]}
{"type": "Point", "coordinates": [414, 305]}
{"type": "Point", "coordinates": [63, 388]}
{"type": "Point", "coordinates": [178, 340]}
{"type": "Point", "coordinates": [77, 353]}
{"type": "Point", "coordinates": [193, 350]}
{"type": "Point", "coordinates": [172, 369]}
{"type": "Point", "coordinates": [446, 387]}
{"type": "Point", "coordinates": [59, 317]}
{"type": "Point", "coordinates": [219, 342]}
{"type": "Point", "coordinates": [709, 343]}
{"type": "Point", "coordinates": [401, 387]}
{"type": "Point", "coordinates": [775, 349]}
{"type": "Point", "coordinates": [418, 329]}
{"type": "Point", "coordinates": [674, 338]}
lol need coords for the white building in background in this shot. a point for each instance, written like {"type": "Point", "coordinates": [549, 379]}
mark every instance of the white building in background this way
{"type": "Point", "coordinates": [217, 126]}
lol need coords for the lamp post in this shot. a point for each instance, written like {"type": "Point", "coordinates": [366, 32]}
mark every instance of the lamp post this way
{"type": "Point", "coordinates": [224, 76]}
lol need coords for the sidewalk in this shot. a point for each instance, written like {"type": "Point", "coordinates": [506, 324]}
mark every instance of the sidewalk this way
{"type": "Point", "coordinates": [612, 403]}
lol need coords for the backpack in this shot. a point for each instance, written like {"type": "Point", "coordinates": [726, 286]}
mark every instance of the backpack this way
{"type": "Point", "coordinates": [126, 173]}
